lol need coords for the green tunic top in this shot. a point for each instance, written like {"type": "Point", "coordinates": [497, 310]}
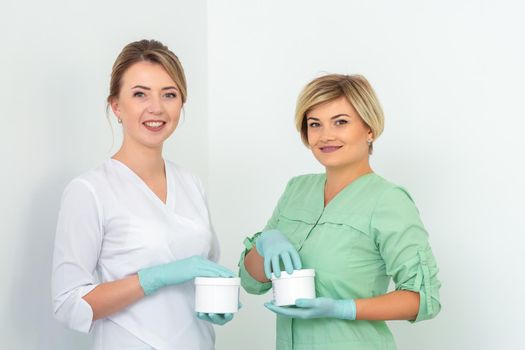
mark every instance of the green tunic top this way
{"type": "Point", "coordinates": [370, 232]}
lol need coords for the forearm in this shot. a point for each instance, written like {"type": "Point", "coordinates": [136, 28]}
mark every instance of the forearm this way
{"type": "Point", "coordinates": [254, 264]}
{"type": "Point", "coordinates": [397, 305]}
{"type": "Point", "coordinates": [108, 298]}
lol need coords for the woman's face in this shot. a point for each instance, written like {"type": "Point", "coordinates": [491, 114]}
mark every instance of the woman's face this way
{"type": "Point", "coordinates": [148, 104]}
{"type": "Point", "coordinates": [337, 135]}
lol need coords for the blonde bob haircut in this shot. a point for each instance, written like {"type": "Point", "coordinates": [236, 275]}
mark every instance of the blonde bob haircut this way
{"type": "Point", "coordinates": [355, 88]}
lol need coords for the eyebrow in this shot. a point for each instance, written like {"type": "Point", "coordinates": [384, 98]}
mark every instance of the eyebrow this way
{"type": "Point", "coordinates": [147, 88]}
{"type": "Point", "coordinates": [334, 117]}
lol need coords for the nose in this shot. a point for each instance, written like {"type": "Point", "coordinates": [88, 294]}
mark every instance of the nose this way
{"type": "Point", "coordinates": [155, 105]}
{"type": "Point", "coordinates": [327, 134]}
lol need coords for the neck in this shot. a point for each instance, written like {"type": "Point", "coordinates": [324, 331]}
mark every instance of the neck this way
{"type": "Point", "coordinates": [145, 162]}
{"type": "Point", "coordinates": [339, 178]}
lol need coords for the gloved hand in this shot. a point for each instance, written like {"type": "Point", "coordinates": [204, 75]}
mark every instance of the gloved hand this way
{"type": "Point", "coordinates": [218, 319]}
{"type": "Point", "coordinates": [317, 308]}
{"type": "Point", "coordinates": [273, 246]}
{"type": "Point", "coordinates": [153, 278]}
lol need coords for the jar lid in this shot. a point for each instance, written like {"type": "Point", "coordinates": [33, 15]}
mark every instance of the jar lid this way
{"type": "Point", "coordinates": [218, 281]}
{"type": "Point", "coordinates": [295, 273]}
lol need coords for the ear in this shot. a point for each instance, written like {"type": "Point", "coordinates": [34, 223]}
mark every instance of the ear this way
{"type": "Point", "coordinates": [370, 134]}
{"type": "Point", "coordinates": [115, 107]}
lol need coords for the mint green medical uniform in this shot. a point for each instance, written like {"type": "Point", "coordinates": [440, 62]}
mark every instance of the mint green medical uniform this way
{"type": "Point", "coordinates": [367, 234]}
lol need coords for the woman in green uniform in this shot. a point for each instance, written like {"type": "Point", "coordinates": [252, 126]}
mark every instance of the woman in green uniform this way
{"type": "Point", "coordinates": [354, 228]}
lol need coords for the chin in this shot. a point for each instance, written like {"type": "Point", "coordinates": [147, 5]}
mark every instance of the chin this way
{"type": "Point", "coordinates": [153, 144]}
{"type": "Point", "coordinates": [329, 164]}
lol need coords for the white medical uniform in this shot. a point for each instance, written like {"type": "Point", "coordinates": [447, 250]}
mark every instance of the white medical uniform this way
{"type": "Point", "coordinates": [110, 226]}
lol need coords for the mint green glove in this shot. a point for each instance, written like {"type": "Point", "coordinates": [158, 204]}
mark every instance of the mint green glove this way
{"type": "Point", "coordinates": [273, 246]}
{"type": "Point", "coordinates": [153, 278]}
{"type": "Point", "coordinates": [218, 319]}
{"type": "Point", "coordinates": [317, 308]}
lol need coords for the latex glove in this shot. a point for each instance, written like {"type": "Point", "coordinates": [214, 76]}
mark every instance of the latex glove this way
{"type": "Point", "coordinates": [218, 319]}
{"type": "Point", "coordinates": [274, 247]}
{"type": "Point", "coordinates": [317, 308]}
{"type": "Point", "coordinates": [156, 277]}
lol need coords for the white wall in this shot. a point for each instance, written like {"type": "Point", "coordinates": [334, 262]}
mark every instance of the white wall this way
{"type": "Point", "coordinates": [55, 63]}
{"type": "Point", "coordinates": [450, 76]}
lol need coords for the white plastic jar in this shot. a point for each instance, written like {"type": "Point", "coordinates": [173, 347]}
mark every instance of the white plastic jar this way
{"type": "Point", "coordinates": [217, 294]}
{"type": "Point", "coordinates": [290, 287]}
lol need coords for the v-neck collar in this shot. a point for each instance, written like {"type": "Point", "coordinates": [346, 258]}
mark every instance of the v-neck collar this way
{"type": "Point", "coordinates": [140, 183]}
{"type": "Point", "coordinates": [345, 189]}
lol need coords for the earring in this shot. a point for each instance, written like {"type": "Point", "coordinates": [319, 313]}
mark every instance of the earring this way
{"type": "Point", "coordinates": [369, 141]}
{"type": "Point", "coordinates": [119, 120]}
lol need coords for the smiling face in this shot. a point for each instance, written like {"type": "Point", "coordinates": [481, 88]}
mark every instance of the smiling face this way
{"type": "Point", "coordinates": [148, 104]}
{"type": "Point", "coordinates": [337, 136]}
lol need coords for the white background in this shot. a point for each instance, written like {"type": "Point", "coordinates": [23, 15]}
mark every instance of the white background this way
{"type": "Point", "coordinates": [449, 75]}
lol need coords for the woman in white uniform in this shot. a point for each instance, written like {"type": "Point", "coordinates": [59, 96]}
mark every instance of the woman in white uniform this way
{"type": "Point", "coordinates": [134, 233]}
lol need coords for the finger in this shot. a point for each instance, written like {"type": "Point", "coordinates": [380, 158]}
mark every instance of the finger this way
{"type": "Point", "coordinates": [288, 266]}
{"type": "Point", "coordinates": [203, 316]}
{"type": "Point", "coordinates": [296, 259]}
{"type": "Point", "coordinates": [275, 266]}
{"type": "Point", "coordinates": [225, 273]}
{"type": "Point", "coordinates": [220, 319]}
{"type": "Point", "coordinates": [267, 268]}
{"type": "Point", "coordinates": [221, 270]}
{"type": "Point", "coordinates": [215, 270]}
{"type": "Point", "coordinates": [305, 303]}
{"type": "Point", "coordinates": [283, 311]}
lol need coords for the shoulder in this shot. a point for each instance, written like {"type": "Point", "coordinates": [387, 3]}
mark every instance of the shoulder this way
{"type": "Point", "coordinates": [394, 202]}
{"type": "Point", "coordinates": [387, 191]}
{"type": "Point", "coordinates": [90, 180]}
{"type": "Point", "coordinates": [85, 190]}
{"type": "Point", "coordinates": [366, 196]}
{"type": "Point", "coordinates": [93, 182]}
{"type": "Point", "coordinates": [304, 186]}
{"type": "Point", "coordinates": [303, 192]}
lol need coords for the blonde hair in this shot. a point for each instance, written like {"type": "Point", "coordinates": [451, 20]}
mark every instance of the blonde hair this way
{"type": "Point", "coordinates": [149, 51]}
{"type": "Point", "coordinates": [355, 88]}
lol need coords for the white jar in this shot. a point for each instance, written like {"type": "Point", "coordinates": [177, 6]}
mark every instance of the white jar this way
{"type": "Point", "coordinates": [217, 294]}
{"type": "Point", "coordinates": [290, 287]}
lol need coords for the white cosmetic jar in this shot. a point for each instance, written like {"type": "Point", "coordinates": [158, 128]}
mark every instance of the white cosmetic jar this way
{"type": "Point", "coordinates": [217, 294]}
{"type": "Point", "coordinates": [290, 287]}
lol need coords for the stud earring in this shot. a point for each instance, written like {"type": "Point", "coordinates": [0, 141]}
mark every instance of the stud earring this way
{"type": "Point", "coordinates": [119, 121]}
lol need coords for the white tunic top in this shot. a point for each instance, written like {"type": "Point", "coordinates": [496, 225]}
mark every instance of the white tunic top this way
{"type": "Point", "coordinates": [110, 226]}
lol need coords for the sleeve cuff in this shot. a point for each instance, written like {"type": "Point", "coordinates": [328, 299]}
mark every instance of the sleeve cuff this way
{"type": "Point", "coordinates": [427, 285]}
{"type": "Point", "coordinates": [76, 312]}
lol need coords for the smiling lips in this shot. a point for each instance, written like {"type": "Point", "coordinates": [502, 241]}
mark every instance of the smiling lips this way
{"type": "Point", "coordinates": [329, 149]}
{"type": "Point", "coordinates": [154, 125]}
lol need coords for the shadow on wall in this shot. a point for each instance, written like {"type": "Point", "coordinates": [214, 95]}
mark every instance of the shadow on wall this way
{"type": "Point", "coordinates": [30, 308]}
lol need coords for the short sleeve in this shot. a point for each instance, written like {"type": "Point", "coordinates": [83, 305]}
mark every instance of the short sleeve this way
{"type": "Point", "coordinates": [250, 284]}
{"type": "Point", "coordinates": [403, 244]}
{"type": "Point", "coordinates": [78, 243]}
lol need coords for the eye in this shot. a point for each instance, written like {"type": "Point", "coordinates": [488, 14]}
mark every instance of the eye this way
{"type": "Point", "coordinates": [170, 95]}
{"type": "Point", "coordinates": [314, 125]}
{"type": "Point", "coordinates": [138, 94]}
{"type": "Point", "coordinates": [341, 122]}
